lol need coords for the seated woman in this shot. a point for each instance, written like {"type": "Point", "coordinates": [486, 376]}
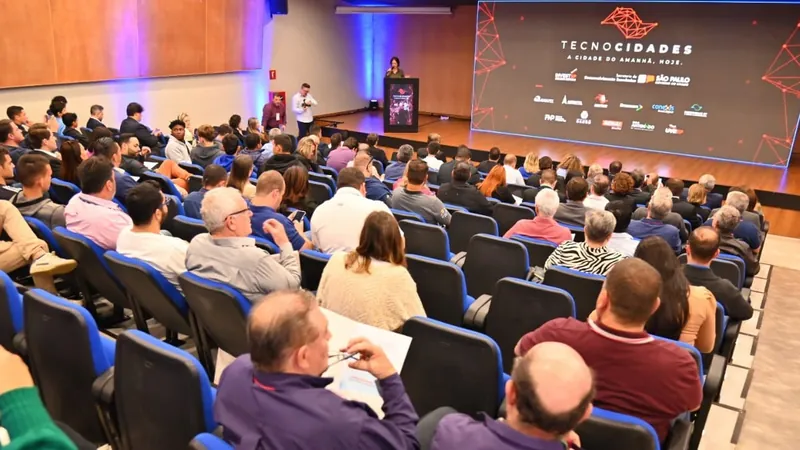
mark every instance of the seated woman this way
{"type": "Point", "coordinates": [296, 194]}
{"type": "Point", "coordinates": [593, 255]}
{"type": "Point", "coordinates": [494, 185]}
{"type": "Point", "coordinates": [236, 122]}
{"type": "Point", "coordinates": [622, 190]}
{"type": "Point", "coordinates": [307, 154]}
{"type": "Point", "coordinates": [253, 126]}
{"type": "Point", "coordinates": [239, 177]}
{"type": "Point", "coordinates": [371, 284]}
{"type": "Point", "coordinates": [72, 155]}
{"type": "Point", "coordinates": [570, 167]}
{"type": "Point", "coordinates": [697, 196]}
{"type": "Point", "coordinates": [685, 313]}
{"type": "Point", "coordinates": [530, 166]}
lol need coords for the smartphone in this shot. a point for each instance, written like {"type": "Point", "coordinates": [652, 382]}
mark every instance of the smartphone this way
{"type": "Point", "coordinates": [299, 215]}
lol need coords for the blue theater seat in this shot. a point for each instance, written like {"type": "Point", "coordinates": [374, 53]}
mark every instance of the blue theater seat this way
{"type": "Point", "coordinates": [324, 179]}
{"type": "Point", "coordinates": [312, 264]}
{"type": "Point", "coordinates": [62, 191]}
{"type": "Point", "coordinates": [584, 287]}
{"type": "Point", "coordinates": [187, 228]}
{"type": "Point", "coordinates": [43, 232]}
{"type": "Point", "coordinates": [490, 258]}
{"type": "Point", "coordinates": [608, 430]}
{"type": "Point", "coordinates": [426, 240]}
{"type": "Point", "coordinates": [464, 225]}
{"type": "Point", "coordinates": [319, 192]}
{"type": "Point", "coordinates": [207, 441]}
{"type": "Point", "coordinates": [538, 249]}
{"type": "Point", "coordinates": [441, 288]}
{"type": "Point", "coordinates": [400, 214]}
{"type": "Point", "coordinates": [167, 186]}
{"type": "Point", "coordinates": [10, 312]}
{"type": "Point", "coordinates": [508, 215]}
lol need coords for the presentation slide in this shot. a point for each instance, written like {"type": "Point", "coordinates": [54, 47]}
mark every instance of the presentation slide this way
{"type": "Point", "coordinates": [714, 80]}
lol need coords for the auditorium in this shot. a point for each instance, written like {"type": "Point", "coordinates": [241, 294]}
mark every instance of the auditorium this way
{"type": "Point", "coordinates": [404, 224]}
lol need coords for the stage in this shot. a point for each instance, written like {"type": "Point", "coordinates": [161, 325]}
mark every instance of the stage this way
{"type": "Point", "coordinates": [778, 189]}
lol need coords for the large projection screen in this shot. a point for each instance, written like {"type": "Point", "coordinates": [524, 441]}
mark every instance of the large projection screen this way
{"type": "Point", "coordinates": [711, 80]}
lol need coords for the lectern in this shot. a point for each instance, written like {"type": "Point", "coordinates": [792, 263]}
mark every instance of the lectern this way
{"type": "Point", "coordinates": [400, 105]}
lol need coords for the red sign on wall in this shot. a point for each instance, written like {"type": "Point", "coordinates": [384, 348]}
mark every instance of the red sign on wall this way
{"type": "Point", "coordinates": [273, 74]}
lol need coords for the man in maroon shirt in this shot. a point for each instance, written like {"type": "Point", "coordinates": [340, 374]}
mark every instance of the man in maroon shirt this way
{"type": "Point", "coordinates": [635, 374]}
{"type": "Point", "coordinates": [274, 114]}
{"type": "Point", "coordinates": [543, 226]}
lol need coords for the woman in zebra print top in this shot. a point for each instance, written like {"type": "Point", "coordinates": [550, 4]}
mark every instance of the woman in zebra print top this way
{"type": "Point", "coordinates": [592, 256]}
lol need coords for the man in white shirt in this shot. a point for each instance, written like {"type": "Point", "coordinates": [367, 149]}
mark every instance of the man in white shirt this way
{"type": "Point", "coordinates": [301, 105]}
{"type": "Point", "coordinates": [433, 150]}
{"type": "Point", "coordinates": [598, 188]}
{"type": "Point", "coordinates": [512, 174]}
{"type": "Point", "coordinates": [336, 224]}
{"type": "Point", "coordinates": [147, 207]}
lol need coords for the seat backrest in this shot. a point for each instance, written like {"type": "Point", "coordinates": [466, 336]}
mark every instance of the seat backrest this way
{"type": "Point", "coordinates": [151, 291]}
{"type": "Point", "coordinates": [166, 184]}
{"type": "Point", "coordinates": [221, 311]}
{"type": "Point", "coordinates": [312, 264]}
{"type": "Point", "coordinates": [519, 189]}
{"type": "Point", "coordinates": [161, 393]}
{"type": "Point", "coordinates": [433, 176]}
{"type": "Point", "coordinates": [10, 312]}
{"type": "Point", "coordinates": [451, 366]}
{"type": "Point", "coordinates": [400, 214]}
{"type": "Point", "coordinates": [606, 430]}
{"type": "Point", "coordinates": [266, 245]}
{"type": "Point", "coordinates": [66, 355]}
{"type": "Point", "coordinates": [577, 230]}
{"type": "Point", "coordinates": [519, 307]}
{"type": "Point", "coordinates": [330, 171]}
{"type": "Point", "coordinates": [319, 192]}
{"type": "Point", "coordinates": [538, 249]}
{"type": "Point", "coordinates": [91, 265]}
{"type": "Point", "coordinates": [729, 267]}
{"type": "Point", "coordinates": [425, 239]}
{"type": "Point", "coordinates": [195, 183]}
{"type": "Point", "coordinates": [194, 169]}
{"type": "Point", "coordinates": [441, 287]}
{"type": "Point", "coordinates": [62, 191]}
{"type": "Point", "coordinates": [693, 352]}
{"type": "Point", "coordinates": [187, 228]}
{"type": "Point", "coordinates": [490, 258]}
{"type": "Point", "coordinates": [464, 225]}
{"type": "Point", "coordinates": [452, 209]}
{"type": "Point", "coordinates": [325, 179]}
{"type": "Point", "coordinates": [207, 441]}
{"type": "Point", "coordinates": [43, 232]}
{"type": "Point", "coordinates": [507, 215]}
{"type": "Point", "coordinates": [584, 287]}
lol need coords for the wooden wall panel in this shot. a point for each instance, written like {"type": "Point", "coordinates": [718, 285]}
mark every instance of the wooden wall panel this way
{"type": "Point", "coordinates": [172, 34]}
{"type": "Point", "coordinates": [26, 50]}
{"type": "Point", "coordinates": [235, 38]}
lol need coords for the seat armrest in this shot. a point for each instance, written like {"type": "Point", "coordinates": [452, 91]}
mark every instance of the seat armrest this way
{"type": "Point", "coordinates": [475, 316]}
{"type": "Point", "coordinates": [103, 388]}
{"type": "Point", "coordinates": [729, 338]}
{"type": "Point", "coordinates": [746, 294]}
{"type": "Point", "coordinates": [20, 344]}
{"type": "Point", "coordinates": [765, 227]}
{"type": "Point", "coordinates": [714, 376]}
{"type": "Point", "coordinates": [459, 259]}
{"type": "Point", "coordinates": [679, 434]}
{"type": "Point", "coordinates": [103, 393]}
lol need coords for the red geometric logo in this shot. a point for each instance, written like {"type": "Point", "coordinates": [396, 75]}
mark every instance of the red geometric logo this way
{"type": "Point", "coordinates": [628, 23]}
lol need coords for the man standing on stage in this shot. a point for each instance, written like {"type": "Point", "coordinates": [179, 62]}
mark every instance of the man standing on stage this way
{"type": "Point", "coordinates": [301, 104]}
{"type": "Point", "coordinates": [274, 114]}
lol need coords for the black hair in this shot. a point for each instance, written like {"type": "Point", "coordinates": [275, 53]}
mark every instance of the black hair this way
{"type": "Point", "coordinates": [673, 312]}
{"type": "Point", "coordinates": [142, 202]}
{"type": "Point", "coordinates": [230, 143]}
{"type": "Point", "coordinates": [94, 173]}
{"type": "Point", "coordinates": [177, 123]}
{"type": "Point", "coordinates": [69, 119]}
{"type": "Point", "coordinates": [252, 141]}
{"type": "Point", "coordinates": [133, 108]}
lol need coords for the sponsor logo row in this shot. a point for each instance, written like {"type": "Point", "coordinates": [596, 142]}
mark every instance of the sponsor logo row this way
{"type": "Point", "coordinates": [642, 78]}
{"type": "Point", "coordinates": [601, 101]}
{"type": "Point", "coordinates": [617, 125]}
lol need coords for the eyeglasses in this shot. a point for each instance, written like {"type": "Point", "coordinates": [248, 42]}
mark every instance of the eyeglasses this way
{"type": "Point", "coordinates": [238, 212]}
{"type": "Point", "coordinates": [339, 357]}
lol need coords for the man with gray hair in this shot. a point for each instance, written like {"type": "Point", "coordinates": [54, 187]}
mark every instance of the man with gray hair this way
{"type": "Point", "coordinates": [267, 149]}
{"type": "Point", "coordinates": [228, 255]}
{"type": "Point", "coordinates": [593, 255]}
{"type": "Point", "coordinates": [749, 228]}
{"type": "Point", "coordinates": [725, 221]}
{"type": "Point", "coordinates": [713, 199]}
{"type": "Point", "coordinates": [543, 226]}
{"type": "Point", "coordinates": [281, 378]}
{"type": "Point", "coordinates": [653, 225]}
{"type": "Point", "coordinates": [396, 169]}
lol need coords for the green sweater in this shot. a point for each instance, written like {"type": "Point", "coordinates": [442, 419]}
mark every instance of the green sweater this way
{"type": "Point", "coordinates": [29, 425]}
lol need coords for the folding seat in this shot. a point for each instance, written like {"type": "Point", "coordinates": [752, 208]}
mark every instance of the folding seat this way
{"type": "Point", "coordinates": [490, 258]}
{"type": "Point", "coordinates": [312, 264]}
{"type": "Point", "coordinates": [441, 287]}
{"type": "Point", "coordinates": [519, 190]}
{"type": "Point", "coordinates": [433, 176]}
{"type": "Point", "coordinates": [167, 186]}
{"type": "Point", "coordinates": [10, 312]}
{"type": "Point", "coordinates": [330, 171]}
{"type": "Point", "coordinates": [207, 441]}
{"type": "Point", "coordinates": [319, 192]}
{"type": "Point", "coordinates": [453, 208]}
{"type": "Point", "coordinates": [194, 169]}
{"type": "Point", "coordinates": [195, 183]}
{"type": "Point", "coordinates": [187, 228]}
{"type": "Point", "coordinates": [576, 230]}
{"type": "Point", "coordinates": [67, 354]}
{"type": "Point", "coordinates": [451, 366]}
{"type": "Point", "coordinates": [584, 287]}
{"type": "Point", "coordinates": [726, 271]}
{"type": "Point", "coordinates": [607, 430]}
{"type": "Point", "coordinates": [538, 249]}
{"type": "Point", "coordinates": [464, 225]}
{"type": "Point", "coordinates": [400, 214]}
{"type": "Point", "coordinates": [426, 240]}
{"type": "Point", "coordinates": [507, 215]}
{"type": "Point", "coordinates": [325, 179]}
{"type": "Point", "coordinates": [43, 232]}
{"type": "Point", "coordinates": [266, 245]}
{"type": "Point", "coordinates": [378, 166]}
{"type": "Point", "coordinates": [62, 191]}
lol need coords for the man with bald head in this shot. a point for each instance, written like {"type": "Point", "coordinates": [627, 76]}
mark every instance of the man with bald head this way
{"type": "Point", "coordinates": [376, 190]}
{"type": "Point", "coordinates": [635, 373]}
{"type": "Point", "coordinates": [549, 394]}
{"type": "Point", "coordinates": [275, 397]}
{"type": "Point", "coordinates": [269, 195]}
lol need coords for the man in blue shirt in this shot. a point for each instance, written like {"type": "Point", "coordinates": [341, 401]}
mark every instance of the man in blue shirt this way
{"type": "Point", "coordinates": [660, 205]}
{"type": "Point", "coordinates": [396, 169]}
{"type": "Point", "coordinates": [269, 194]}
{"type": "Point", "coordinates": [748, 229]}
{"type": "Point", "coordinates": [275, 396]}
{"type": "Point", "coordinates": [230, 144]}
{"type": "Point", "coordinates": [214, 176]}
{"type": "Point", "coordinates": [376, 190]}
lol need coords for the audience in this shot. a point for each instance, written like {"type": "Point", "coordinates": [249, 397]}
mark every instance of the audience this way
{"type": "Point", "coordinates": [56, 112]}
{"type": "Point", "coordinates": [754, 206]}
{"type": "Point", "coordinates": [597, 192]}
{"type": "Point", "coordinates": [530, 166]}
{"type": "Point", "coordinates": [230, 144]}
{"type": "Point", "coordinates": [147, 208]}
{"type": "Point", "coordinates": [252, 148]}
{"type": "Point", "coordinates": [651, 183]}
{"type": "Point", "coordinates": [71, 128]}
{"type": "Point", "coordinates": [213, 177]}
{"type": "Point", "coordinates": [654, 224]}
{"type": "Point", "coordinates": [239, 176]}
{"type": "Point", "coordinates": [207, 149]}
{"type": "Point", "coordinates": [18, 116]}
{"type": "Point", "coordinates": [376, 153]}
{"type": "Point", "coordinates": [411, 198]}
{"type": "Point", "coordinates": [235, 123]}
{"type": "Point", "coordinates": [340, 157]}
{"type": "Point", "coordinates": [614, 168]}
{"type": "Point", "coordinates": [281, 378]}
{"type": "Point", "coordinates": [592, 255]}
{"type": "Point", "coordinates": [463, 155]}
{"type": "Point", "coordinates": [34, 172]}
{"type": "Point", "coordinates": [396, 169]}
{"type": "Point", "coordinates": [433, 161]}
{"type": "Point", "coordinates": [376, 190]}
{"type": "Point", "coordinates": [323, 149]}
{"type": "Point", "coordinates": [459, 192]}
{"type": "Point", "coordinates": [307, 154]}
{"type": "Point", "coordinates": [296, 195]}
{"type": "Point", "coordinates": [543, 226]}
{"type": "Point", "coordinates": [92, 212]}
{"type": "Point", "coordinates": [133, 124]}
{"type": "Point", "coordinates": [107, 148]}
{"type": "Point", "coordinates": [228, 255]}
{"type": "Point", "coordinates": [622, 189]}
{"type": "Point", "coordinates": [72, 155]}
{"type": "Point", "coordinates": [748, 229]}
{"type": "Point", "coordinates": [639, 194]}
{"type": "Point", "coordinates": [621, 240]}
{"type": "Point", "coordinates": [680, 206]}
{"type": "Point", "coordinates": [494, 186]}
{"type": "Point", "coordinates": [43, 142]}
{"type": "Point", "coordinates": [133, 157]}
{"type": "Point", "coordinates": [222, 131]}
{"type": "Point", "coordinates": [635, 374]}
{"type": "Point", "coordinates": [713, 199]}
{"type": "Point", "coordinates": [593, 171]}
{"type": "Point", "coordinates": [11, 138]}
{"type": "Point", "coordinates": [178, 148]}
{"type": "Point", "coordinates": [725, 221]}
{"type": "Point", "coordinates": [697, 198]}
{"type": "Point", "coordinates": [282, 155]}
{"type": "Point", "coordinates": [97, 134]}
{"type": "Point", "coordinates": [702, 249]}
{"type": "Point", "coordinates": [573, 212]}
{"type": "Point", "coordinates": [371, 284]}
{"type": "Point", "coordinates": [570, 167]}
{"type": "Point", "coordinates": [6, 173]}
{"type": "Point", "coordinates": [545, 163]}
{"type": "Point", "coordinates": [548, 179]}
{"type": "Point", "coordinates": [337, 223]}
{"type": "Point", "coordinates": [95, 117]}
{"type": "Point", "coordinates": [493, 160]}
{"type": "Point", "coordinates": [269, 196]}
{"type": "Point", "coordinates": [513, 176]}
{"type": "Point", "coordinates": [188, 130]}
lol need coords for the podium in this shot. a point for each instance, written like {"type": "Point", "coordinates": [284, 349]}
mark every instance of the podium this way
{"type": "Point", "coordinates": [400, 105]}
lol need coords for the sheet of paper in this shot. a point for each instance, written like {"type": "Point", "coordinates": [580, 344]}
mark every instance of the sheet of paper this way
{"type": "Point", "coordinates": [150, 164]}
{"type": "Point", "coordinates": [517, 200]}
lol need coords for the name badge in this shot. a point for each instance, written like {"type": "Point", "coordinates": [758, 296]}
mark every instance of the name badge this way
{"type": "Point", "coordinates": [277, 116]}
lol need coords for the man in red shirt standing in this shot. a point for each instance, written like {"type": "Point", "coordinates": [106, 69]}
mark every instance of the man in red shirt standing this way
{"type": "Point", "coordinates": [635, 373]}
{"type": "Point", "coordinates": [274, 114]}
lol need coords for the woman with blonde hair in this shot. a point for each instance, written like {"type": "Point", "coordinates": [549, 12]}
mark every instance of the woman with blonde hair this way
{"type": "Point", "coordinates": [494, 185]}
{"type": "Point", "coordinates": [189, 137]}
{"type": "Point", "coordinates": [530, 166]}
{"type": "Point", "coordinates": [253, 126]}
{"type": "Point", "coordinates": [307, 154]}
{"type": "Point", "coordinates": [697, 196]}
{"type": "Point", "coordinates": [371, 284]}
{"type": "Point", "coordinates": [594, 170]}
{"type": "Point", "coordinates": [239, 178]}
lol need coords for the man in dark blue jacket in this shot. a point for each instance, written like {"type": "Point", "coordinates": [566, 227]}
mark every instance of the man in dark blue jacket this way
{"type": "Point", "coordinates": [214, 176]}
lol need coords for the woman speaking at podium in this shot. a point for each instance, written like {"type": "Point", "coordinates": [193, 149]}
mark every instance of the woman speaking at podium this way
{"type": "Point", "coordinates": [395, 71]}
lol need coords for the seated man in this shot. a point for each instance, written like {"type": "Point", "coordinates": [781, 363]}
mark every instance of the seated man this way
{"type": "Point", "coordinates": [549, 180]}
{"type": "Point", "coordinates": [34, 173]}
{"type": "Point", "coordinates": [6, 173]}
{"type": "Point", "coordinates": [597, 193]}
{"type": "Point", "coordinates": [680, 205]}
{"type": "Point", "coordinates": [107, 148]}
{"type": "Point", "coordinates": [282, 155]}
{"type": "Point", "coordinates": [376, 190]}
{"type": "Point", "coordinates": [267, 149]}
{"type": "Point", "coordinates": [550, 392]}
{"type": "Point", "coordinates": [269, 195]}
{"type": "Point", "coordinates": [671, 218]}
{"type": "Point", "coordinates": [133, 124]}
{"type": "Point", "coordinates": [463, 155]}
{"type": "Point", "coordinates": [434, 163]}
{"type": "Point", "coordinates": [228, 255]}
{"type": "Point", "coordinates": [573, 212]}
{"type": "Point", "coordinates": [252, 148]}
{"type": "Point", "coordinates": [336, 224]}
{"type": "Point", "coordinates": [11, 138]}
{"type": "Point", "coordinates": [396, 169]}
{"type": "Point", "coordinates": [654, 224]}
{"type": "Point", "coordinates": [592, 255]}
{"type": "Point", "coordinates": [621, 240]}
{"type": "Point", "coordinates": [95, 117]}
{"type": "Point", "coordinates": [43, 142]}
{"type": "Point", "coordinates": [339, 158]}
{"type": "Point", "coordinates": [281, 379]}
{"type": "Point", "coordinates": [230, 144]}
{"type": "Point", "coordinates": [178, 149]}
{"type": "Point", "coordinates": [71, 129]}
{"type": "Point", "coordinates": [147, 208]}
{"type": "Point", "coordinates": [459, 192]}
{"type": "Point", "coordinates": [492, 160]}
{"type": "Point", "coordinates": [543, 226]}
{"type": "Point", "coordinates": [213, 177]}
{"type": "Point", "coordinates": [512, 174]}
{"type": "Point", "coordinates": [375, 152]}
{"type": "Point", "coordinates": [133, 156]}
{"type": "Point", "coordinates": [93, 212]}
{"type": "Point", "coordinates": [636, 374]}
{"type": "Point", "coordinates": [207, 149]}
{"type": "Point", "coordinates": [725, 222]}
{"type": "Point", "coordinates": [749, 228]}
{"type": "Point", "coordinates": [702, 249]}
{"type": "Point", "coordinates": [411, 198]}
{"type": "Point", "coordinates": [639, 194]}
